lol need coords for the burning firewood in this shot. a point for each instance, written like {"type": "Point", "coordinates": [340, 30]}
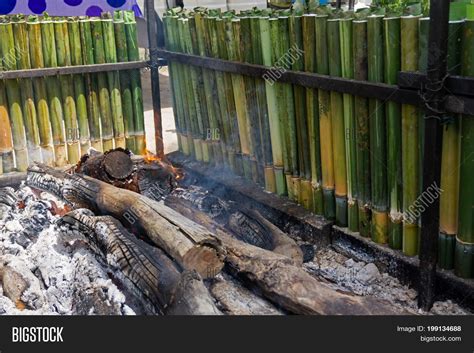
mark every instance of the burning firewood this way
{"type": "Point", "coordinates": [190, 245]}
{"type": "Point", "coordinates": [147, 175]}
{"type": "Point", "coordinates": [279, 278]}
{"type": "Point", "coordinates": [147, 272]}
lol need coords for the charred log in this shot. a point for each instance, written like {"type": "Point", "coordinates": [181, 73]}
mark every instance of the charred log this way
{"type": "Point", "coordinates": [147, 271]}
{"type": "Point", "coordinates": [191, 245]}
{"type": "Point", "coordinates": [280, 280]}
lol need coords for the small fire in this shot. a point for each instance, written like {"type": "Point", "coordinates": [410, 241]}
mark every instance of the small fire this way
{"type": "Point", "coordinates": [153, 158]}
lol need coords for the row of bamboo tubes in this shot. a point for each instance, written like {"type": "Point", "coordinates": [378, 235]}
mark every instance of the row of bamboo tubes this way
{"type": "Point", "coordinates": [56, 119]}
{"type": "Point", "coordinates": [354, 160]}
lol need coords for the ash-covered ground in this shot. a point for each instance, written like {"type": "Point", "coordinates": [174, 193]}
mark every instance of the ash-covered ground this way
{"type": "Point", "coordinates": [43, 273]}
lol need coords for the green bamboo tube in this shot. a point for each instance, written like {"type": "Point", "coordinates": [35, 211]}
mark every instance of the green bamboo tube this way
{"type": "Point", "coordinates": [107, 125]}
{"type": "Point", "coordinates": [287, 117]}
{"type": "Point", "coordinates": [215, 121]}
{"type": "Point", "coordinates": [464, 253]}
{"type": "Point", "coordinates": [394, 137]}
{"type": "Point", "coordinates": [347, 61]}
{"type": "Point", "coordinates": [54, 92]}
{"type": "Point", "coordinates": [125, 82]}
{"type": "Point", "coordinates": [214, 34]}
{"type": "Point", "coordinates": [264, 123]}
{"type": "Point", "coordinates": [267, 26]}
{"type": "Point", "coordinates": [23, 62]}
{"type": "Point", "coordinates": [195, 90]}
{"type": "Point", "coordinates": [378, 143]}
{"type": "Point", "coordinates": [135, 77]}
{"type": "Point", "coordinates": [79, 86]}
{"type": "Point", "coordinates": [253, 120]}
{"type": "Point", "coordinates": [91, 85]}
{"type": "Point", "coordinates": [189, 82]}
{"type": "Point", "coordinates": [450, 161]}
{"type": "Point", "coordinates": [186, 140]}
{"type": "Point", "coordinates": [312, 114]}
{"type": "Point", "coordinates": [40, 91]}
{"type": "Point", "coordinates": [14, 96]}
{"type": "Point", "coordinates": [325, 121]}
{"type": "Point", "coordinates": [238, 84]}
{"type": "Point", "coordinates": [7, 164]}
{"type": "Point", "coordinates": [338, 130]}
{"type": "Point", "coordinates": [63, 52]}
{"type": "Point", "coordinates": [410, 139]}
{"type": "Point", "coordinates": [364, 193]}
{"type": "Point", "coordinates": [174, 81]}
{"type": "Point", "coordinates": [113, 78]}
{"type": "Point", "coordinates": [305, 196]}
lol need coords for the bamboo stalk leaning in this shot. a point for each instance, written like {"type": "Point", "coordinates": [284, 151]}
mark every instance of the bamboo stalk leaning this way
{"type": "Point", "coordinates": [7, 44]}
{"type": "Point", "coordinates": [394, 137]}
{"type": "Point", "coordinates": [22, 58]}
{"type": "Point", "coordinates": [63, 58]}
{"type": "Point", "coordinates": [364, 194]}
{"type": "Point", "coordinates": [7, 162]}
{"type": "Point", "coordinates": [450, 161]}
{"type": "Point", "coordinates": [79, 85]}
{"type": "Point", "coordinates": [135, 77]}
{"type": "Point", "coordinates": [338, 130]}
{"type": "Point", "coordinates": [410, 139]}
{"type": "Point", "coordinates": [91, 86]}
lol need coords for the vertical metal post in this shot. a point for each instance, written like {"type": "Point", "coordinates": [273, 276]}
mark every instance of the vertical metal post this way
{"type": "Point", "coordinates": [155, 75]}
{"type": "Point", "coordinates": [437, 71]}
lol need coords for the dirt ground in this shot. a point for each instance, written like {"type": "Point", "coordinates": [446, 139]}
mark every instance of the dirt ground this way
{"type": "Point", "coordinates": [169, 134]}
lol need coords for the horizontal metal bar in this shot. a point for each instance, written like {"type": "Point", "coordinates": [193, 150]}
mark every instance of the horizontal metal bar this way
{"type": "Point", "coordinates": [455, 85]}
{"type": "Point", "coordinates": [360, 88]}
{"type": "Point", "coordinates": [72, 70]}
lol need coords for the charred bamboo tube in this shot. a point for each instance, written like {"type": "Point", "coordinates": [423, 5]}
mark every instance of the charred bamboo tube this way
{"type": "Point", "coordinates": [92, 90]}
{"type": "Point", "coordinates": [287, 117]}
{"type": "Point", "coordinates": [325, 120]}
{"type": "Point", "coordinates": [378, 144]}
{"type": "Point", "coordinates": [238, 84]}
{"type": "Point", "coordinates": [296, 52]}
{"type": "Point", "coordinates": [7, 164]}
{"type": "Point", "coordinates": [125, 83]}
{"type": "Point", "coordinates": [266, 144]}
{"type": "Point", "coordinates": [410, 140]}
{"type": "Point", "coordinates": [338, 131]}
{"type": "Point", "coordinates": [40, 91]}
{"type": "Point", "coordinates": [46, 57]}
{"type": "Point", "coordinates": [113, 78]}
{"type": "Point", "coordinates": [79, 86]}
{"type": "Point", "coordinates": [253, 120]}
{"type": "Point", "coordinates": [135, 77]}
{"type": "Point", "coordinates": [266, 25]}
{"type": "Point", "coordinates": [107, 126]}
{"type": "Point", "coordinates": [22, 57]}
{"type": "Point", "coordinates": [63, 55]}
{"type": "Point", "coordinates": [394, 137]}
{"type": "Point", "coordinates": [464, 253]}
{"type": "Point", "coordinates": [450, 161]}
{"type": "Point", "coordinates": [14, 96]}
{"type": "Point", "coordinates": [312, 114]}
{"type": "Point", "coordinates": [362, 129]}
{"type": "Point", "coordinates": [347, 61]}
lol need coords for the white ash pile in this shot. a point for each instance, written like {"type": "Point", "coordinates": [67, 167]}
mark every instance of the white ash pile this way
{"type": "Point", "coordinates": [42, 272]}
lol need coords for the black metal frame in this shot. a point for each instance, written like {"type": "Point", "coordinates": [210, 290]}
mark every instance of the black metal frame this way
{"type": "Point", "coordinates": [435, 91]}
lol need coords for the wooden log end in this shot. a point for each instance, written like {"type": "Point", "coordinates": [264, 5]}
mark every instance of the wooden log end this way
{"type": "Point", "coordinates": [205, 260]}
